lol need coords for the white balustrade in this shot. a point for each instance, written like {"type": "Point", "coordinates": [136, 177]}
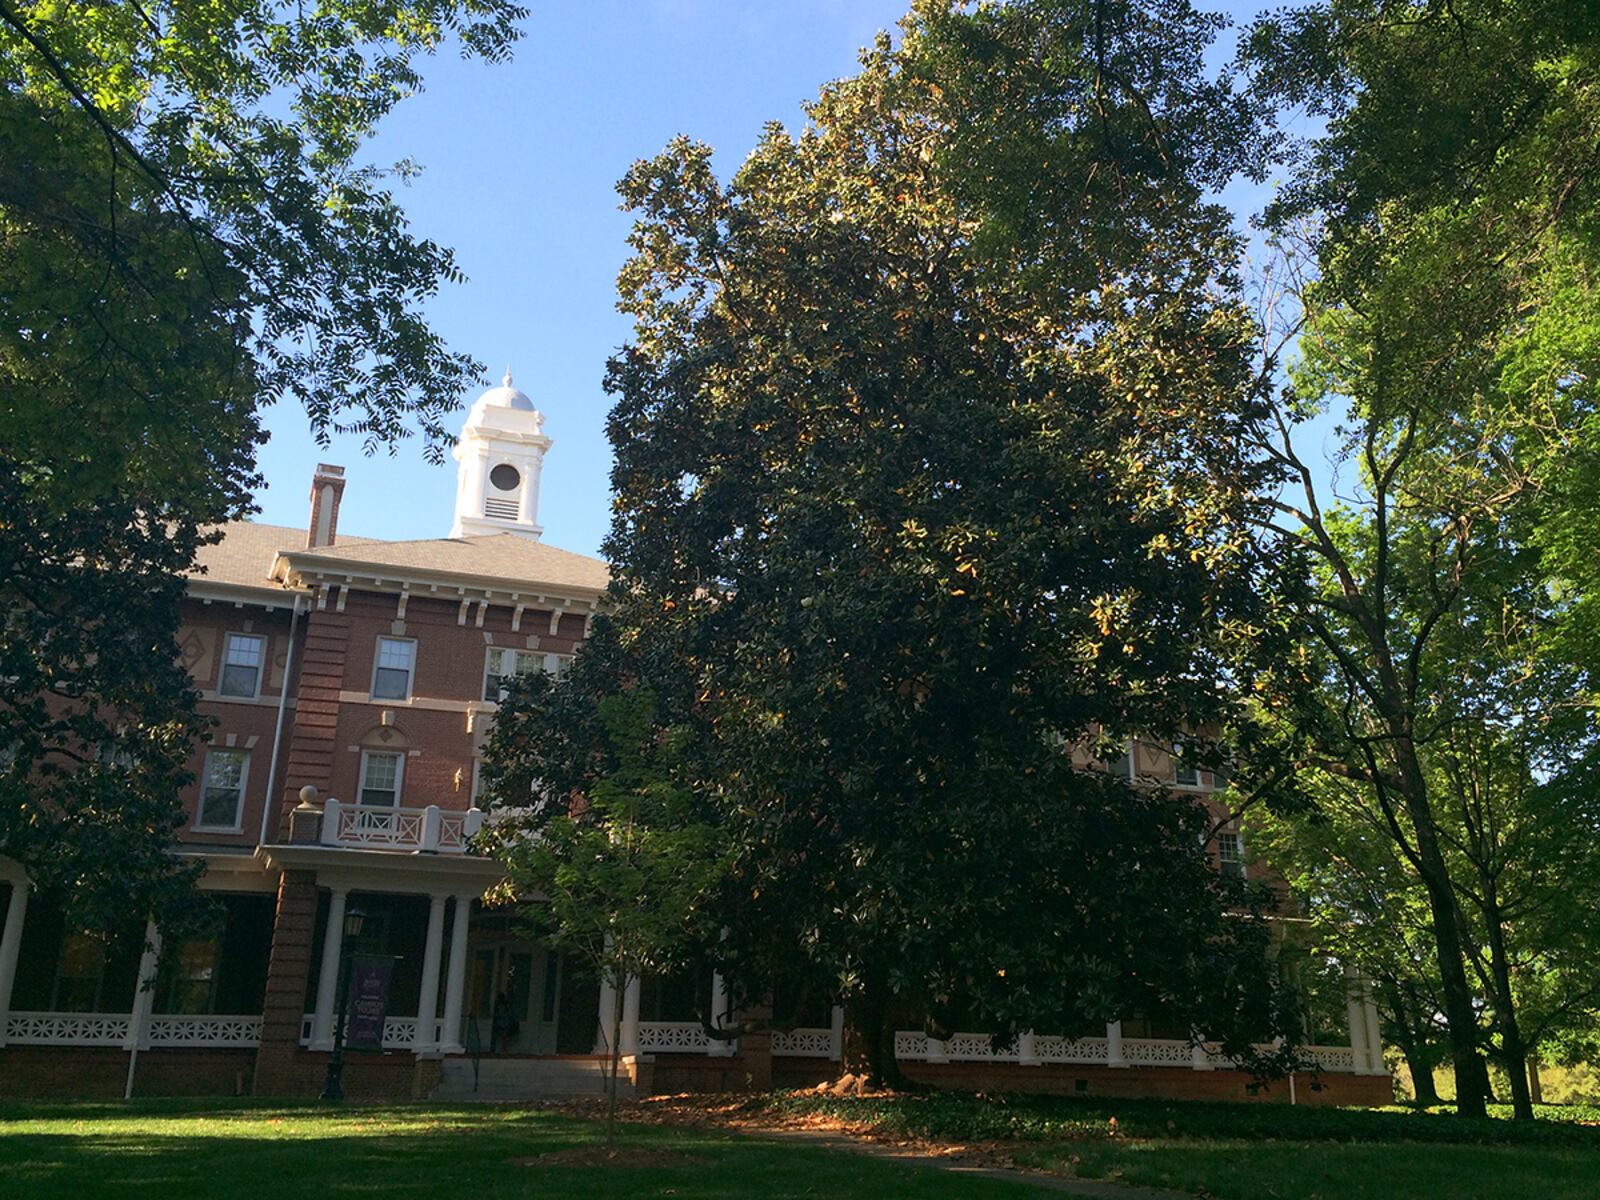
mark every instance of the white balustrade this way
{"type": "Point", "coordinates": [177, 1030]}
{"type": "Point", "coordinates": [913, 1046]}
{"type": "Point", "coordinates": [384, 827]}
{"type": "Point", "coordinates": [67, 1029]}
{"type": "Point", "coordinates": [399, 1033]}
{"type": "Point", "coordinates": [805, 1043]}
{"type": "Point", "coordinates": [673, 1036]}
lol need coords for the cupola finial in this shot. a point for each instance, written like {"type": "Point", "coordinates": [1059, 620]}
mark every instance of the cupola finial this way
{"type": "Point", "coordinates": [507, 379]}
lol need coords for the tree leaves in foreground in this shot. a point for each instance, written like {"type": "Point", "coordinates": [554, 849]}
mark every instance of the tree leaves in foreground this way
{"type": "Point", "coordinates": [1451, 208]}
{"type": "Point", "coordinates": [916, 495]}
{"type": "Point", "coordinates": [187, 233]}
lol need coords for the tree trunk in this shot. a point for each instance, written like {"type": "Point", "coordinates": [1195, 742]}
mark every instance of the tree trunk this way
{"type": "Point", "coordinates": [1412, 1037]}
{"type": "Point", "coordinates": [616, 1063]}
{"type": "Point", "coordinates": [1513, 1050]}
{"type": "Point", "coordinates": [1535, 1086]}
{"type": "Point", "coordinates": [1471, 1075]}
{"type": "Point", "coordinates": [869, 1041]}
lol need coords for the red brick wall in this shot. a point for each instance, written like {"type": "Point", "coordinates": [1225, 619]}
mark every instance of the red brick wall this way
{"type": "Point", "coordinates": [202, 639]}
{"type": "Point", "coordinates": [335, 719]}
{"type": "Point", "coordinates": [287, 971]}
{"type": "Point", "coordinates": [101, 1072]}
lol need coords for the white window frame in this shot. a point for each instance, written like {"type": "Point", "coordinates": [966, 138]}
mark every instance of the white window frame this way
{"type": "Point", "coordinates": [399, 777]}
{"type": "Point", "coordinates": [377, 665]}
{"type": "Point", "coordinates": [1127, 752]}
{"type": "Point", "coordinates": [205, 783]}
{"type": "Point", "coordinates": [1223, 860]}
{"type": "Point", "coordinates": [261, 666]}
{"type": "Point", "coordinates": [1178, 765]}
{"type": "Point", "coordinates": [538, 660]}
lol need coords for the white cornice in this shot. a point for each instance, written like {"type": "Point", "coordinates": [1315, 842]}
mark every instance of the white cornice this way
{"type": "Point", "coordinates": [422, 583]}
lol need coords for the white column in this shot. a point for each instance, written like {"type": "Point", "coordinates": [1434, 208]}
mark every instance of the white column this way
{"type": "Point", "coordinates": [1199, 1060]}
{"type": "Point", "coordinates": [836, 1048]}
{"type": "Point", "coordinates": [719, 1047]}
{"type": "Point", "coordinates": [1356, 1019]}
{"type": "Point", "coordinates": [937, 1051]}
{"type": "Point", "coordinates": [1369, 1011]}
{"type": "Point", "coordinates": [144, 998]}
{"type": "Point", "coordinates": [1027, 1049]}
{"type": "Point", "coordinates": [1114, 1045]}
{"type": "Point", "coordinates": [10, 945]}
{"type": "Point", "coordinates": [428, 1005]}
{"type": "Point", "coordinates": [608, 1013]}
{"type": "Point", "coordinates": [144, 993]}
{"type": "Point", "coordinates": [630, 1017]}
{"type": "Point", "coordinates": [455, 981]}
{"type": "Point", "coordinates": [328, 978]}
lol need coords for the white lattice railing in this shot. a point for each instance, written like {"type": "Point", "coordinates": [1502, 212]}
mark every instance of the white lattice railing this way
{"type": "Point", "coordinates": [806, 1043]}
{"type": "Point", "coordinates": [379, 827]}
{"type": "Point", "coordinates": [173, 1030]}
{"type": "Point", "coordinates": [673, 1036]}
{"type": "Point", "coordinates": [1333, 1058]}
{"type": "Point", "coordinates": [1050, 1048]}
{"type": "Point", "coordinates": [399, 1033]}
{"type": "Point", "coordinates": [67, 1029]}
{"type": "Point", "coordinates": [913, 1046]}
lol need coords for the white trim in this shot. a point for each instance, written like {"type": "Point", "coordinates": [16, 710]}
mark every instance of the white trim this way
{"type": "Point", "coordinates": [205, 776]}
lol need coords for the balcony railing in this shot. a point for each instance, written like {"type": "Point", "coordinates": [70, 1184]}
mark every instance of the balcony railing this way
{"type": "Point", "coordinates": [399, 1033]}
{"type": "Point", "coordinates": [431, 830]}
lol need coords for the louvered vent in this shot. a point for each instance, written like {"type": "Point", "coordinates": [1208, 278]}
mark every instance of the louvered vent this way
{"type": "Point", "coordinates": [504, 510]}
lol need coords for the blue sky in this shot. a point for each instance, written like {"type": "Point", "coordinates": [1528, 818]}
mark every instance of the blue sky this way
{"type": "Point", "coordinates": [520, 165]}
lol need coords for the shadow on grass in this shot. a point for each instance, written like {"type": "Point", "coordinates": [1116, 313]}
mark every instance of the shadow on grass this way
{"type": "Point", "coordinates": [73, 1152]}
{"type": "Point", "coordinates": [1243, 1170]}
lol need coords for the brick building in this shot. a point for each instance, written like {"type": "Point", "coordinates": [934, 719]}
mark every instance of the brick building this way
{"type": "Point", "coordinates": [352, 681]}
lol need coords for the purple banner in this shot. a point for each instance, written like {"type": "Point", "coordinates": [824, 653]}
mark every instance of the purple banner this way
{"type": "Point", "coordinates": [370, 977]}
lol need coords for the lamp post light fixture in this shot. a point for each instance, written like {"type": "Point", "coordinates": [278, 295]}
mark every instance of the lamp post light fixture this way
{"type": "Point", "coordinates": [333, 1082]}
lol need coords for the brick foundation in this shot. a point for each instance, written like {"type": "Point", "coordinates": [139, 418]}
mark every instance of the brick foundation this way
{"type": "Point", "coordinates": [101, 1072]}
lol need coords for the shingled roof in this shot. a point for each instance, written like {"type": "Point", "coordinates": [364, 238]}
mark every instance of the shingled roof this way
{"type": "Point", "coordinates": [507, 558]}
{"type": "Point", "coordinates": [248, 551]}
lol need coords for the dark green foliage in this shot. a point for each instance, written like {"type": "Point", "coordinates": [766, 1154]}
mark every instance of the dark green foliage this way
{"type": "Point", "coordinates": [913, 496]}
{"type": "Point", "coordinates": [186, 235]}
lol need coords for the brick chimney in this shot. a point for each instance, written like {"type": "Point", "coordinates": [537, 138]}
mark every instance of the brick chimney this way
{"type": "Point", "coordinates": [327, 486]}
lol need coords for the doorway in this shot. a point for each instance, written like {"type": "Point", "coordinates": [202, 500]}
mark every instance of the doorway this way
{"type": "Point", "coordinates": [522, 980]}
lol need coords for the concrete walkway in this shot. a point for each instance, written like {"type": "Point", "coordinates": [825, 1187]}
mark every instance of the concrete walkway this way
{"type": "Point", "coordinates": [1093, 1188]}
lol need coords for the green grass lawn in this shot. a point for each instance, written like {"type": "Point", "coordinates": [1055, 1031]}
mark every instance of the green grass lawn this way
{"type": "Point", "coordinates": [1259, 1151]}
{"type": "Point", "coordinates": [199, 1149]}
{"type": "Point", "coordinates": [195, 1150]}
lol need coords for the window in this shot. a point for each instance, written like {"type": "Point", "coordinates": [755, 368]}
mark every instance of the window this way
{"type": "Point", "coordinates": [241, 666]}
{"type": "Point", "coordinates": [79, 974]}
{"type": "Point", "coordinates": [381, 775]}
{"type": "Point", "coordinates": [391, 676]}
{"type": "Point", "coordinates": [1122, 765]}
{"type": "Point", "coordinates": [502, 664]}
{"type": "Point", "coordinates": [1230, 851]}
{"type": "Point", "coordinates": [222, 797]}
{"type": "Point", "coordinates": [1185, 773]}
{"type": "Point", "coordinates": [505, 477]}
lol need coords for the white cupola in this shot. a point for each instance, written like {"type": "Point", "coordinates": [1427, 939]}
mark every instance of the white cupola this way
{"type": "Point", "coordinates": [501, 452]}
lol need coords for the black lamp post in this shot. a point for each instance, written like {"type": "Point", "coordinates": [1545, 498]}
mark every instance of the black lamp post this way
{"type": "Point", "coordinates": [333, 1082]}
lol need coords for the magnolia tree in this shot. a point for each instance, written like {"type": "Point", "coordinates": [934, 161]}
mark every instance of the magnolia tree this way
{"type": "Point", "coordinates": [916, 490]}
